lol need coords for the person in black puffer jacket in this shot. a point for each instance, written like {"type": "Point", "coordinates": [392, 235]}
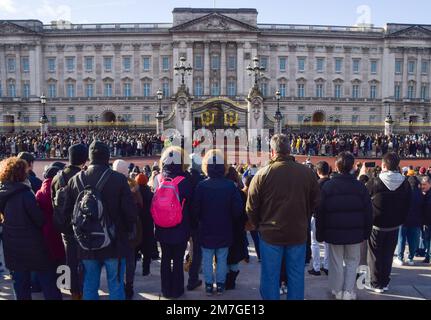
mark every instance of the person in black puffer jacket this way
{"type": "Point", "coordinates": [344, 221]}
{"type": "Point", "coordinates": [411, 229]}
{"type": "Point", "coordinates": [391, 197]}
{"type": "Point", "coordinates": [24, 248]}
{"type": "Point", "coordinates": [426, 232]}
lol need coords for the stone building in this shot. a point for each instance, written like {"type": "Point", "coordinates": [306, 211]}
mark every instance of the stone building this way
{"type": "Point", "coordinates": [109, 74]}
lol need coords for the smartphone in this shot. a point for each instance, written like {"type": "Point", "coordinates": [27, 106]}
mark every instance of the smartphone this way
{"type": "Point", "coordinates": [370, 165]}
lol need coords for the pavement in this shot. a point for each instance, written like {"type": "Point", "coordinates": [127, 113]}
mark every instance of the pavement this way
{"type": "Point", "coordinates": [408, 283]}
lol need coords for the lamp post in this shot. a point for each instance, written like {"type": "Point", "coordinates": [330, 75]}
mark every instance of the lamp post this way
{"type": "Point", "coordinates": [43, 119]}
{"type": "Point", "coordinates": [278, 116]}
{"type": "Point", "coordinates": [182, 69]}
{"type": "Point", "coordinates": [389, 122]}
{"type": "Point", "coordinates": [256, 70]}
{"type": "Point", "coordinates": [160, 116]}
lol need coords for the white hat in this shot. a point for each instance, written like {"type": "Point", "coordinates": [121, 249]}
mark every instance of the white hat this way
{"type": "Point", "coordinates": [121, 166]}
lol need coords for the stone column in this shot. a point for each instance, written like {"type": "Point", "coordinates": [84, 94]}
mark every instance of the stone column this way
{"type": "Point", "coordinates": [3, 63]}
{"type": "Point", "coordinates": [175, 61]}
{"type": "Point", "coordinates": [60, 70]}
{"type": "Point", "coordinates": [80, 91]}
{"type": "Point", "coordinates": [190, 60]}
{"type": "Point", "coordinates": [18, 78]}
{"type": "Point", "coordinates": [137, 89]}
{"type": "Point", "coordinates": [34, 81]}
{"type": "Point", "coordinates": [207, 69]}
{"type": "Point", "coordinates": [117, 69]}
{"type": "Point", "coordinates": [156, 67]}
{"type": "Point", "coordinates": [223, 69]}
{"type": "Point", "coordinates": [98, 65]}
{"type": "Point", "coordinates": [240, 69]}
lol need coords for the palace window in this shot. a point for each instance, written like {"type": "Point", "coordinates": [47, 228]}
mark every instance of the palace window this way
{"type": "Point", "coordinates": [356, 66]}
{"type": "Point", "coordinates": [356, 91]}
{"type": "Point", "coordinates": [108, 89]}
{"type": "Point", "coordinates": [166, 88]}
{"type": "Point", "coordinates": [11, 89]}
{"type": "Point", "coordinates": [147, 89]}
{"type": "Point", "coordinates": [398, 66]}
{"type": "Point", "coordinates": [70, 90]}
{"type": "Point", "coordinates": [127, 89]}
{"type": "Point", "coordinates": [411, 91]}
{"type": "Point", "coordinates": [397, 92]}
{"type": "Point", "coordinates": [338, 91]}
{"type": "Point", "coordinates": [52, 90]}
{"type": "Point", "coordinates": [89, 90]}
{"type": "Point", "coordinates": [146, 62]}
{"type": "Point", "coordinates": [107, 64]}
{"type": "Point", "coordinates": [232, 63]}
{"type": "Point", "coordinates": [283, 90]}
{"type": "Point", "coordinates": [70, 64]}
{"type": "Point", "coordinates": [373, 91]}
{"type": "Point", "coordinates": [199, 65]}
{"type": "Point", "coordinates": [411, 67]}
{"type": "Point", "coordinates": [165, 63]}
{"type": "Point", "coordinates": [215, 89]}
{"type": "Point", "coordinates": [424, 91]}
{"type": "Point", "coordinates": [319, 90]}
{"type": "Point", "coordinates": [301, 90]}
{"type": "Point", "coordinates": [51, 65]}
{"type": "Point", "coordinates": [11, 64]}
{"type": "Point", "coordinates": [373, 66]}
{"type": "Point", "coordinates": [283, 64]}
{"type": "Point", "coordinates": [264, 62]}
{"type": "Point", "coordinates": [198, 88]}
{"type": "Point", "coordinates": [215, 62]}
{"type": "Point", "coordinates": [301, 64]}
{"type": "Point", "coordinates": [89, 64]}
{"type": "Point", "coordinates": [146, 119]}
{"type": "Point", "coordinates": [71, 119]}
{"type": "Point", "coordinates": [320, 65]}
{"type": "Point", "coordinates": [26, 90]}
{"type": "Point", "coordinates": [425, 67]}
{"type": "Point", "coordinates": [355, 119]}
{"type": "Point", "coordinates": [264, 88]}
{"type": "Point", "coordinates": [338, 65]}
{"type": "Point", "coordinates": [25, 64]}
{"type": "Point", "coordinates": [231, 88]}
{"type": "Point", "coordinates": [127, 64]}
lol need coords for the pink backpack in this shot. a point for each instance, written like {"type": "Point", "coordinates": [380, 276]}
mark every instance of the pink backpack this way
{"type": "Point", "coordinates": [166, 207]}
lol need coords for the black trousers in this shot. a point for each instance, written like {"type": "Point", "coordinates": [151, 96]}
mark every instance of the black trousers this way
{"type": "Point", "coordinates": [72, 261]}
{"type": "Point", "coordinates": [172, 271]}
{"type": "Point", "coordinates": [381, 248]}
{"type": "Point", "coordinates": [196, 261]}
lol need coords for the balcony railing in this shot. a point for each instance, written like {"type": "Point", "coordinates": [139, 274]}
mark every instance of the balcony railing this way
{"type": "Point", "coordinates": [298, 27]}
{"type": "Point", "coordinates": [113, 27]}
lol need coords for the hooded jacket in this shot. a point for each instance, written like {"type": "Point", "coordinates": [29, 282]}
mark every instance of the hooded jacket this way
{"type": "Point", "coordinates": [216, 204]}
{"type": "Point", "coordinates": [415, 214]}
{"type": "Point", "coordinates": [391, 196]}
{"type": "Point", "coordinates": [23, 243]}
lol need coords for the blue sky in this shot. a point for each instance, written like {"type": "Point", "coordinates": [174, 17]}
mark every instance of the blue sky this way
{"type": "Point", "coordinates": [332, 12]}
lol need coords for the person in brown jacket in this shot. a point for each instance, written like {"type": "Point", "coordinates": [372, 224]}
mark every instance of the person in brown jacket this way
{"type": "Point", "coordinates": [281, 199]}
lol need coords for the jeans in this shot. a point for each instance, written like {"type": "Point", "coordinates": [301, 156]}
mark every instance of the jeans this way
{"type": "Point", "coordinates": [115, 275]}
{"type": "Point", "coordinates": [315, 249]}
{"type": "Point", "coordinates": [72, 261]}
{"type": "Point", "coordinates": [47, 280]}
{"type": "Point", "coordinates": [410, 235]}
{"type": "Point", "coordinates": [272, 257]}
{"type": "Point", "coordinates": [381, 248]}
{"type": "Point", "coordinates": [171, 269]}
{"type": "Point", "coordinates": [426, 234]}
{"type": "Point", "coordinates": [343, 264]}
{"type": "Point", "coordinates": [221, 267]}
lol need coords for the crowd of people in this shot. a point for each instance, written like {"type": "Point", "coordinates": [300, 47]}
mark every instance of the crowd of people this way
{"type": "Point", "coordinates": [56, 143]}
{"type": "Point", "coordinates": [90, 214]}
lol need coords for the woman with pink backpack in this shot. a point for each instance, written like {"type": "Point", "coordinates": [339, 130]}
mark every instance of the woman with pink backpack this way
{"type": "Point", "coordinates": [171, 213]}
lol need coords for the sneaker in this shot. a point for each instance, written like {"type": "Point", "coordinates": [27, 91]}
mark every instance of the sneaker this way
{"type": "Point", "coordinates": [386, 289]}
{"type": "Point", "coordinates": [411, 262]}
{"type": "Point", "coordinates": [349, 295]}
{"type": "Point", "coordinates": [314, 272]}
{"type": "Point", "coordinates": [325, 271]}
{"type": "Point", "coordinates": [281, 291]}
{"type": "Point", "coordinates": [375, 290]}
{"type": "Point", "coordinates": [220, 288]}
{"type": "Point", "coordinates": [337, 295]}
{"type": "Point", "coordinates": [426, 260]}
{"type": "Point", "coordinates": [284, 288]}
{"type": "Point", "coordinates": [209, 289]}
{"type": "Point", "coordinates": [398, 262]}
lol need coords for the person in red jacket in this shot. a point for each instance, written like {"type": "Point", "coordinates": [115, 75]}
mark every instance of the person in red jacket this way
{"type": "Point", "coordinates": [51, 236]}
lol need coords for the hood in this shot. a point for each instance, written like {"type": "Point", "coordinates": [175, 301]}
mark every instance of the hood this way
{"type": "Point", "coordinates": [9, 189]}
{"type": "Point", "coordinates": [216, 170]}
{"type": "Point", "coordinates": [121, 166]}
{"type": "Point", "coordinates": [392, 180]}
{"type": "Point", "coordinates": [46, 186]}
{"type": "Point", "coordinates": [172, 170]}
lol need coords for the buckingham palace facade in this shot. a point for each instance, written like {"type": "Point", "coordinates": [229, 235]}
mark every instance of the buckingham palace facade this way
{"type": "Point", "coordinates": [109, 74]}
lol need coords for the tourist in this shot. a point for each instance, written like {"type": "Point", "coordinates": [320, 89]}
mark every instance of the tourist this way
{"type": "Point", "coordinates": [25, 250]}
{"type": "Point", "coordinates": [323, 171]}
{"type": "Point", "coordinates": [344, 221]}
{"type": "Point", "coordinates": [173, 240]}
{"type": "Point", "coordinates": [35, 182]}
{"type": "Point", "coordinates": [217, 204]}
{"type": "Point", "coordinates": [281, 198]}
{"type": "Point", "coordinates": [391, 194]}
{"type": "Point", "coordinates": [426, 190]}
{"type": "Point", "coordinates": [78, 156]}
{"type": "Point", "coordinates": [119, 212]}
{"type": "Point", "coordinates": [411, 229]}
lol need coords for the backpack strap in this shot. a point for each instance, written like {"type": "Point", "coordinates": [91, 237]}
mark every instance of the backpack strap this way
{"type": "Point", "coordinates": [103, 180]}
{"type": "Point", "coordinates": [62, 179]}
{"type": "Point", "coordinates": [80, 181]}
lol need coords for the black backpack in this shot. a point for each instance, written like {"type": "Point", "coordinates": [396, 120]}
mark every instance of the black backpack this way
{"type": "Point", "coordinates": [92, 226]}
{"type": "Point", "coordinates": [59, 203]}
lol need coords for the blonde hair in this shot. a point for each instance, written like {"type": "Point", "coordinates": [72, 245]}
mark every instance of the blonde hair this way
{"type": "Point", "coordinates": [210, 155]}
{"type": "Point", "coordinates": [174, 155]}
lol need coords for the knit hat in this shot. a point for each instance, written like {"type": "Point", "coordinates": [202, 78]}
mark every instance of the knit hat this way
{"type": "Point", "coordinates": [141, 179]}
{"type": "Point", "coordinates": [52, 170]}
{"type": "Point", "coordinates": [422, 171]}
{"type": "Point", "coordinates": [121, 166]}
{"type": "Point", "coordinates": [411, 173]}
{"type": "Point", "coordinates": [99, 153]}
{"type": "Point", "coordinates": [78, 154]}
{"type": "Point", "coordinates": [27, 156]}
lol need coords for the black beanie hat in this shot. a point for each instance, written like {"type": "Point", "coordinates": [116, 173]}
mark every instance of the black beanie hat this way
{"type": "Point", "coordinates": [53, 169]}
{"type": "Point", "coordinates": [27, 156]}
{"type": "Point", "coordinates": [78, 154]}
{"type": "Point", "coordinates": [99, 153]}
